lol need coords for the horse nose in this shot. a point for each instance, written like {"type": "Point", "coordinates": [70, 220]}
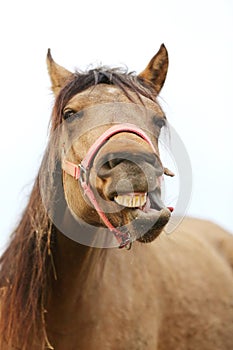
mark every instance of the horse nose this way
{"type": "Point", "coordinates": [128, 155]}
{"type": "Point", "coordinates": [127, 172]}
{"type": "Point", "coordinates": [112, 160]}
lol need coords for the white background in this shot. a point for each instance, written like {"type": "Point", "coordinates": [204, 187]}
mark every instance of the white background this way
{"type": "Point", "coordinates": [197, 96]}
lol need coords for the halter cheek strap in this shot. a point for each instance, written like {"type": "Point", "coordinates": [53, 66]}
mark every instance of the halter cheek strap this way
{"type": "Point", "coordinates": [81, 171]}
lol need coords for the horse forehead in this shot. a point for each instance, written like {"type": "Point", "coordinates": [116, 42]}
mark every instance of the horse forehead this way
{"type": "Point", "coordinates": [104, 93]}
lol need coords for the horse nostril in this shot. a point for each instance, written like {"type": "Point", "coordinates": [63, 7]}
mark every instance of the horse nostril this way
{"type": "Point", "coordinates": [106, 164]}
{"type": "Point", "coordinates": [130, 163]}
{"type": "Point", "coordinates": [111, 160]}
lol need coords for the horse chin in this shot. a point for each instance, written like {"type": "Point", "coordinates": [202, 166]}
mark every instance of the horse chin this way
{"type": "Point", "coordinates": [156, 219]}
{"type": "Point", "coordinates": [145, 226]}
{"type": "Point", "coordinates": [142, 225]}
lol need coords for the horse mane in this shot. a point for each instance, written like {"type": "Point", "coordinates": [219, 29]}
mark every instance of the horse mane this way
{"type": "Point", "coordinates": [26, 267]}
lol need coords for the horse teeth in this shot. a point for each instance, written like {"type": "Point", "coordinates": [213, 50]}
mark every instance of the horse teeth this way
{"type": "Point", "coordinates": [131, 200]}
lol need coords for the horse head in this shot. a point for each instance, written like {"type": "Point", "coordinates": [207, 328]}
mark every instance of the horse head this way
{"type": "Point", "coordinates": [112, 171]}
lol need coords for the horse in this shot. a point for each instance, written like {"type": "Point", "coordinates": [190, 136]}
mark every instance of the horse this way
{"type": "Point", "coordinates": [90, 264]}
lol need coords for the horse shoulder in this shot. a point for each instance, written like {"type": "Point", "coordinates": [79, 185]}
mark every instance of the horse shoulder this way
{"type": "Point", "coordinates": [195, 286]}
{"type": "Point", "coordinates": [213, 235]}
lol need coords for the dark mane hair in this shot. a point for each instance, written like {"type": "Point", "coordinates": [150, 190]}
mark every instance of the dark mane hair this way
{"type": "Point", "coordinates": [26, 267]}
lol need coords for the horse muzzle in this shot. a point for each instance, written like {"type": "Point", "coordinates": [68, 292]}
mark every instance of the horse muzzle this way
{"type": "Point", "coordinates": [129, 172]}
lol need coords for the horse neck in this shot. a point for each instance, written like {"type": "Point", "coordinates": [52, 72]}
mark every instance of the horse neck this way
{"type": "Point", "coordinates": [75, 262]}
{"type": "Point", "coordinates": [76, 265]}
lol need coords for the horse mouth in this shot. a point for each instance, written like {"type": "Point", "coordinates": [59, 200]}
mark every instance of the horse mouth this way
{"type": "Point", "coordinates": [148, 214]}
{"type": "Point", "coordinates": [143, 201]}
{"type": "Point", "coordinates": [131, 200]}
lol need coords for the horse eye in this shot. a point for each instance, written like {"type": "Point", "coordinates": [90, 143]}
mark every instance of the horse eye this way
{"type": "Point", "coordinates": [68, 113]}
{"type": "Point", "coordinates": [160, 122]}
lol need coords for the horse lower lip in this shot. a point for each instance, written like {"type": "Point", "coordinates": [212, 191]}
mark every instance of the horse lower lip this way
{"type": "Point", "coordinates": [151, 219]}
{"type": "Point", "coordinates": [149, 213]}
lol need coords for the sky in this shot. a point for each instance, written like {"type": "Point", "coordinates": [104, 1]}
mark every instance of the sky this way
{"type": "Point", "coordinates": [197, 96]}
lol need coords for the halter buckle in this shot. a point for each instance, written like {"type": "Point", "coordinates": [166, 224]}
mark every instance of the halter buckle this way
{"type": "Point", "coordinates": [83, 174]}
{"type": "Point", "coordinates": [127, 245]}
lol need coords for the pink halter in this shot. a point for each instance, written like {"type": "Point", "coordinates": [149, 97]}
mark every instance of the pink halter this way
{"type": "Point", "coordinates": [80, 172]}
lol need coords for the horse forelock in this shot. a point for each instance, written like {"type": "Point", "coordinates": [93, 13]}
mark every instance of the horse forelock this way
{"type": "Point", "coordinates": [25, 268]}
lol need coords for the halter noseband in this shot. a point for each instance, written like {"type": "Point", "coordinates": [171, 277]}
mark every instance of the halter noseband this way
{"type": "Point", "coordinates": [81, 171]}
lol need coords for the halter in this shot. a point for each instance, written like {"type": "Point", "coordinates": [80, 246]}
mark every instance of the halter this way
{"type": "Point", "coordinates": [81, 172]}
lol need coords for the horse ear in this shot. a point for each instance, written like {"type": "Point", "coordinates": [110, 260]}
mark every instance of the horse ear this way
{"type": "Point", "coordinates": [59, 76]}
{"type": "Point", "coordinates": [156, 71]}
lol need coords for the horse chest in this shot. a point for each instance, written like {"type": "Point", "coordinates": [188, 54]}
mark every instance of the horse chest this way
{"type": "Point", "coordinates": [108, 311]}
{"type": "Point", "coordinates": [128, 305]}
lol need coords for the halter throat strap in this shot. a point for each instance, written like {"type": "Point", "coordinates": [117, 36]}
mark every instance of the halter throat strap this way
{"type": "Point", "coordinates": [81, 172]}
